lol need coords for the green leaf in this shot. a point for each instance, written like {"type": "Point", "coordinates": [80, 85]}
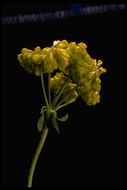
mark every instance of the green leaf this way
{"type": "Point", "coordinates": [40, 123]}
{"type": "Point", "coordinates": [43, 109]}
{"type": "Point", "coordinates": [64, 118]}
{"type": "Point", "coordinates": [54, 122]}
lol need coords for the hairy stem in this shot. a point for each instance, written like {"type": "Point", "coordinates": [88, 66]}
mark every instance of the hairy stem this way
{"type": "Point", "coordinates": [36, 156]}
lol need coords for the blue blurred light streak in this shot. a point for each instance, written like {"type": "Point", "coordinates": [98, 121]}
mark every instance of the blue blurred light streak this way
{"type": "Point", "coordinates": [75, 10]}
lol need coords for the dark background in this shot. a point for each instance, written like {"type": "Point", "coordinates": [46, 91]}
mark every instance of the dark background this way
{"type": "Point", "coordinates": [90, 151]}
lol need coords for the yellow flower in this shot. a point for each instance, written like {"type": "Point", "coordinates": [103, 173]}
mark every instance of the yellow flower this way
{"type": "Point", "coordinates": [49, 62]}
{"type": "Point", "coordinates": [69, 59]}
{"type": "Point", "coordinates": [62, 58]}
{"type": "Point", "coordinates": [56, 82]}
{"type": "Point", "coordinates": [69, 91]}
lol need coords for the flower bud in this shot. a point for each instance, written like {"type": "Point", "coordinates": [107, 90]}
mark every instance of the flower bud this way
{"type": "Point", "coordinates": [61, 44]}
{"type": "Point", "coordinates": [37, 49]}
{"type": "Point", "coordinates": [62, 58]}
{"type": "Point", "coordinates": [49, 61]}
{"type": "Point", "coordinates": [56, 82]}
{"type": "Point", "coordinates": [70, 92]}
{"type": "Point", "coordinates": [36, 58]}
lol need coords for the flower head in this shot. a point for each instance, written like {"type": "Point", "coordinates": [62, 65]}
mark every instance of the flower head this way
{"type": "Point", "coordinates": [69, 60]}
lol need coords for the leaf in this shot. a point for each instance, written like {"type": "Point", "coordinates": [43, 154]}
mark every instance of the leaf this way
{"type": "Point", "coordinates": [43, 109]}
{"type": "Point", "coordinates": [54, 122]}
{"type": "Point", "coordinates": [64, 118]}
{"type": "Point", "coordinates": [40, 123]}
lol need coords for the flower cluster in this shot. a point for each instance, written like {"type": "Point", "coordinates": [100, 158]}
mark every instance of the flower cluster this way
{"type": "Point", "coordinates": [71, 66]}
{"type": "Point", "coordinates": [69, 91]}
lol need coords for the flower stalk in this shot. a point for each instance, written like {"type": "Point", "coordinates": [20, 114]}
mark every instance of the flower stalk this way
{"type": "Point", "coordinates": [43, 88]}
{"type": "Point", "coordinates": [36, 156]}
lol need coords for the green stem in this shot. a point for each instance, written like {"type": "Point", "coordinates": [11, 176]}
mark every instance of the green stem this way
{"type": "Point", "coordinates": [49, 89]}
{"type": "Point", "coordinates": [60, 92]}
{"type": "Point", "coordinates": [64, 98]}
{"type": "Point", "coordinates": [36, 156]}
{"type": "Point", "coordinates": [63, 105]}
{"type": "Point", "coordinates": [43, 88]}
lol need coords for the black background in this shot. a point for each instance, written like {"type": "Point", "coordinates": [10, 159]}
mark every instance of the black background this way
{"type": "Point", "coordinates": [90, 151]}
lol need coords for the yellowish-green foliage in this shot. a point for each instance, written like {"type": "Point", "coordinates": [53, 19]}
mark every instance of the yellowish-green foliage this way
{"type": "Point", "coordinates": [68, 63]}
